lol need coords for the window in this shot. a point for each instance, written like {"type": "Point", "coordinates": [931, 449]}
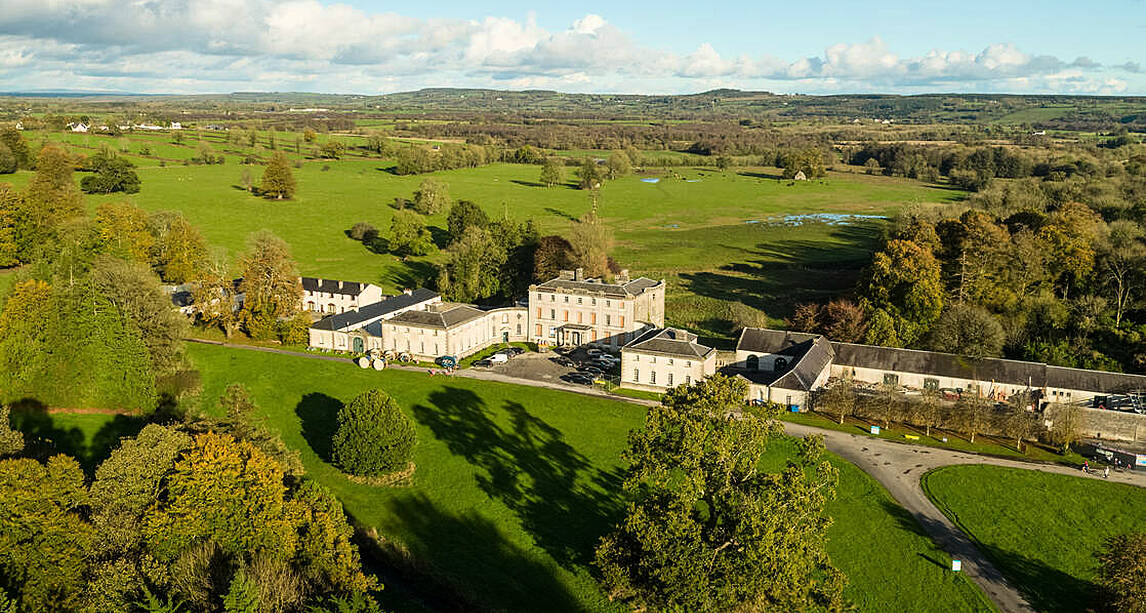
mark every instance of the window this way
{"type": "Point", "coordinates": [753, 362]}
{"type": "Point", "coordinates": [653, 377]}
{"type": "Point", "coordinates": [636, 375]}
{"type": "Point", "coordinates": [552, 313]}
{"type": "Point", "coordinates": [670, 380]}
{"type": "Point", "coordinates": [687, 380]}
{"type": "Point", "coordinates": [670, 361]}
{"type": "Point", "coordinates": [890, 379]}
{"type": "Point", "coordinates": [565, 315]}
{"type": "Point", "coordinates": [593, 318]}
{"type": "Point", "coordinates": [653, 359]}
{"type": "Point", "coordinates": [608, 319]}
{"type": "Point", "coordinates": [578, 300]}
{"type": "Point", "coordinates": [567, 300]}
{"type": "Point", "coordinates": [552, 297]}
{"type": "Point", "coordinates": [622, 321]}
{"type": "Point", "coordinates": [579, 316]}
{"type": "Point", "coordinates": [931, 384]}
{"type": "Point", "coordinates": [505, 318]}
{"type": "Point", "coordinates": [594, 302]}
{"type": "Point", "coordinates": [519, 329]}
{"type": "Point", "coordinates": [608, 303]}
{"type": "Point", "coordinates": [688, 363]}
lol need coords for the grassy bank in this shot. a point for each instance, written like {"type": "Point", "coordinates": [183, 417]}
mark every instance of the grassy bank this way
{"type": "Point", "coordinates": [1040, 529]}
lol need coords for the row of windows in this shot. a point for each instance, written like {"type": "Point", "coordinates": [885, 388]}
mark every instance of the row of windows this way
{"type": "Point", "coordinates": [580, 300]}
{"type": "Point", "coordinates": [653, 360]}
{"type": "Point", "coordinates": [311, 294]}
{"type": "Point", "coordinates": [653, 378]}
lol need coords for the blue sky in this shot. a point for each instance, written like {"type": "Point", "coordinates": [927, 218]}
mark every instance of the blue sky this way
{"type": "Point", "coordinates": [356, 46]}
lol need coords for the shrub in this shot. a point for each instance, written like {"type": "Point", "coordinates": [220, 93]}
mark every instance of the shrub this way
{"type": "Point", "coordinates": [296, 330]}
{"type": "Point", "coordinates": [374, 436]}
{"type": "Point", "coordinates": [363, 231]}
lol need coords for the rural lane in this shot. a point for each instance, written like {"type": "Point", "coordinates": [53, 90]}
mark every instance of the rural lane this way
{"type": "Point", "coordinates": [895, 465]}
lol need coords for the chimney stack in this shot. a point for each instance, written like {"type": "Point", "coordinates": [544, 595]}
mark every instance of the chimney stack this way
{"type": "Point", "coordinates": [579, 274]}
{"type": "Point", "coordinates": [623, 276]}
{"type": "Point", "coordinates": [566, 275]}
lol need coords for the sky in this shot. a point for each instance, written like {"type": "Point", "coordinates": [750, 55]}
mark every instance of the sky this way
{"type": "Point", "coordinates": [374, 47]}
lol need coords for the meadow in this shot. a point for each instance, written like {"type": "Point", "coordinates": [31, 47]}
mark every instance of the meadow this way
{"type": "Point", "coordinates": [514, 486]}
{"type": "Point", "coordinates": [715, 237]}
{"type": "Point", "coordinates": [1041, 530]}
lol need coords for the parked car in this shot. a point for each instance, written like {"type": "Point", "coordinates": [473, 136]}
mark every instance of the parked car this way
{"type": "Point", "coordinates": [486, 363]}
{"type": "Point", "coordinates": [591, 370]}
{"type": "Point", "coordinates": [604, 364]}
{"type": "Point", "coordinates": [593, 352]}
{"type": "Point", "coordinates": [564, 361]}
{"type": "Point", "coordinates": [446, 361]}
{"type": "Point", "coordinates": [514, 350]}
{"type": "Point", "coordinates": [578, 379]}
{"type": "Point", "coordinates": [498, 358]}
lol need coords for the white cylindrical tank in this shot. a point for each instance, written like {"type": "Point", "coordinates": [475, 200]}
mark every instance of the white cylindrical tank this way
{"type": "Point", "coordinates": [379, 363]}
{"type": "Point", "coordinates": [364, 362]}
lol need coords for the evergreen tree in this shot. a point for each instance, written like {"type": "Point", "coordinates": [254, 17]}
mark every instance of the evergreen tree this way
{"type": "Point", "coordinates": [374, 436]}
{"type": "Point", "coordinates": [278, 180]}
{"type": "Point", "coordinates": [463, 215]}
{"type": "Point", "coordinates": [112, 174]}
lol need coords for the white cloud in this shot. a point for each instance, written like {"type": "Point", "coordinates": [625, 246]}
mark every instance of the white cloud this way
{"type": "Point", "coordinates": [211, 45]}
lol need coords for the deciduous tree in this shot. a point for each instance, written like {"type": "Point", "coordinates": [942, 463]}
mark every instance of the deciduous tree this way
{"type": "Point", "coordinates": [432, 197]}
{"type": "Point", "coordinates": [1122, 572]}
{"type": "Point", "coordinates": [552, 172]}
{"type": "Point", "coordinates": [968, 330]}
{"type": "Point", "coordinates": [591, 241]}
{"type": "Point", "coordinates": [278, 179]}
{"type": "Point", "coordinates": [409, 234]}
{"type": "Point", "coordinates": [705, 529]}
{"type": "Point", "coordinates": [464, 214]}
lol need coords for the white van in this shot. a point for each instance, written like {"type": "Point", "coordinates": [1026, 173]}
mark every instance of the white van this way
{"type": "Point", "coordinates": [498, 358]}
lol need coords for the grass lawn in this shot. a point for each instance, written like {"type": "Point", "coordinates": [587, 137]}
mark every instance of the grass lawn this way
{"type": "Point", "coordinates": [716, 237]}
{"type": "Point", "coordinates": [983, 444]}
{"type": "Point", "coordinates": [514, 485]}
{"type": "Point", "coordinates": [1040, 529]}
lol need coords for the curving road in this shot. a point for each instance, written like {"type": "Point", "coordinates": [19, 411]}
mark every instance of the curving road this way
{"type": "Point", "coordinates": [899, 466]}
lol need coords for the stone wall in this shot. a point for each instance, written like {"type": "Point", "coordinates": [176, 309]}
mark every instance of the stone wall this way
{"type": "Point", "coordinates": [1113, 425]}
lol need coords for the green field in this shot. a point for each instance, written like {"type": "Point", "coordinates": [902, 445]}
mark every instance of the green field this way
{"type": "Point", "coordinates": [514, 486]}
{"type": "Point", "coordinates": [716, 237]}
{"type": "Point", "coordinates": [1040, 529]}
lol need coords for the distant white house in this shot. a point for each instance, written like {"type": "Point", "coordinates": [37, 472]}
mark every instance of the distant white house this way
{"type": "Point", "coordinates": [19, 125]}
{"type": "Point", "coordinates": [147, 126]}
{"type": "Point", "coordinates": [78, 127]}
{"type": "Point", "coordinates": [175, 125]}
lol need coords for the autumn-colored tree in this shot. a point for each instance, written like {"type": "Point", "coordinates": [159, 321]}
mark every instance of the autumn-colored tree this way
{"type": "Point", "coordinates": [180, 253]}
{"type": "Point", "coordinates": [44, 540]}
{"type": "Point", "coordinates": [1070, 237]}
{"type": "Point", "coordinates": [215, 295]}
{"type": "Point", "coordinates": [904, 282]}
{"type": "Point", "coordinates": [1122, 573]}
{"type": "Point", "coordinates": [270, 285]}
{"type": "Point", "coordinates": [14, 141]}
{"type": "Point", "coordinates": [278, 179]}
{"type": "Point", "coordinates": [553, 255]}
{"type": "Point", "coordinates": [51, 196]}
{"type": "Point", "coordinates": [12, 214]}
{"type": "Point", "coordinates": [11, 441]}
{"type": "Point", "coordinates": [124, 231]}
{"type": "Point", "coordinates": [591, 241]}
{"type": "Point", "coordinates": [843, 321]}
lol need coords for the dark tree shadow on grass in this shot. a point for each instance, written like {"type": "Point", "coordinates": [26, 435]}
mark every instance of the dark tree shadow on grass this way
{"type": "Point", "coordinates": [778, 275]}
{"type": "Point", "coordinates": [462, 562]}
{"type": "Point", "coordinates": [107, 438]}
{"type": "Point", "coordinates": [559, 496]}
{"type": "Point", "coordinates": [413, 273]}
{"type": "Point", "coordinates": [42, 437]}
{"type": "Point", "coordinates": [440, 236]}
{"type": "Point", "coordinates": [560, 213]}
{"type": "Point", "coordinates": [318, 414]}
{"type": "Point", "coordinates": [527, 183]}
{"type": "Point", "coordinates": [1046, 589]}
